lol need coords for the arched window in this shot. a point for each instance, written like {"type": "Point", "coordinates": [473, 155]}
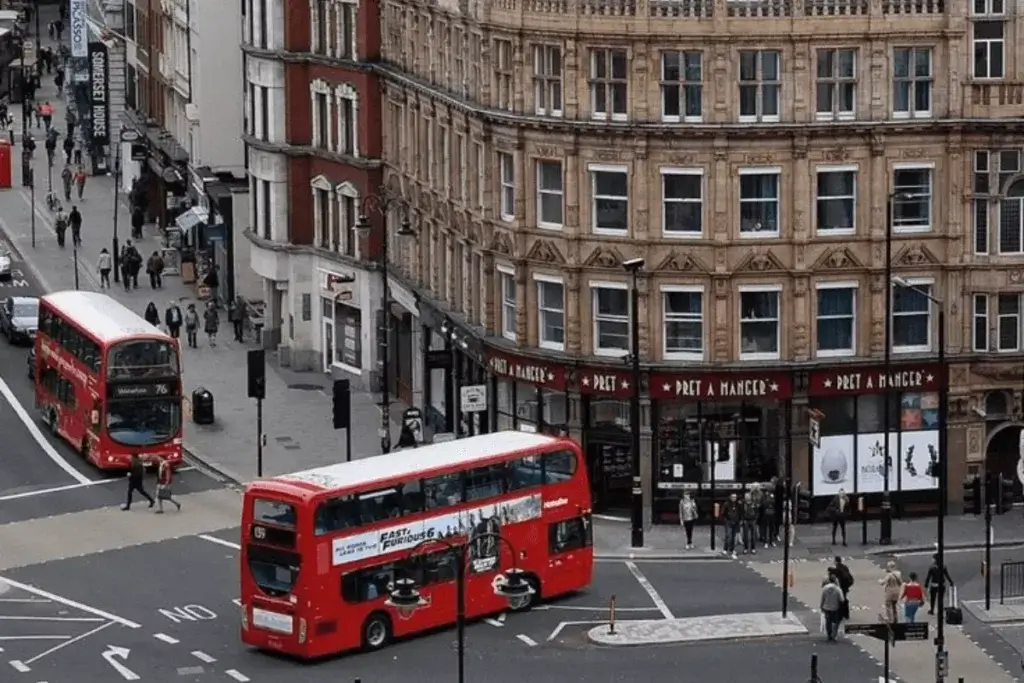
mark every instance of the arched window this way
{"type": "Point", "coordinates": [1011, 219]}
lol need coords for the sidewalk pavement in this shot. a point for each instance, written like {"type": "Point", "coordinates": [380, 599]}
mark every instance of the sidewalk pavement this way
{"type": "Point", "coordinates": [612, 539]}
{"type": "Point", "coordinates": [699, 629]}
{"type": "Point", "coordinates": [297, 410]}
{"type": "Point", "coordinates": [1011, 610]}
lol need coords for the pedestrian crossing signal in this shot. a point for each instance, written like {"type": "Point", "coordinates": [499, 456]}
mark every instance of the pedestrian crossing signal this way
{"type": "Point", "coordinates": [972, 495]}
{"type": "Point", "coordinates": [1004, 500]}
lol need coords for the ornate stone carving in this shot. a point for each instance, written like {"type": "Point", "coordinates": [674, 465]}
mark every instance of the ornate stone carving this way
{"type": "Point", "coordinates": [997, 372]}
{"type": "Point", "coordinates": [545, 251]}
{"type": "Point", "coordinates": [959, 406]}
{"type": "Point", "coordinates": [839, 258]}
{"type": "Point", "coordinates": [761, 262]}
{"type": "Point", "coordinates": [604, 258]}
{"type": "Point", "coordinates": [837, 154]}
{"type": "Point", "coordinates": [501, 243]}
{"type": "Point", "coordinates": [914, 255]}
{"type": "Point", "coordinates": [682, 263]}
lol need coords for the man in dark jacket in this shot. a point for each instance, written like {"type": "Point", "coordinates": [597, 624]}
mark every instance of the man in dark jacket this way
{"type": "Point", "coordinates": [732, 514]}
{"type": "Point", "coordinates": [75, 221]}
{"type": "Point", "coordinates": [845, 579]}
{"type": "Point", "coordinates": [136, 472]}
{"type": "Point", "coordinates": [173, 318]}
{"type": "Point", "coordinates": [934, 583]}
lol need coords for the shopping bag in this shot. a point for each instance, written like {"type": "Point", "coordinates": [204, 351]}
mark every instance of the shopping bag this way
{"type": "Point", "coordinates": [954, 615]}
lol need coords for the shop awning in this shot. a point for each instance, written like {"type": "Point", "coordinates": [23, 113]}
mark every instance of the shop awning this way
{"type": "Point", "coordinates": [192, 218]}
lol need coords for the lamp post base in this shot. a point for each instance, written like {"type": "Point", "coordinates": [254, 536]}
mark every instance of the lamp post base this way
{"type": "Point", "coordinates": [885, 527]}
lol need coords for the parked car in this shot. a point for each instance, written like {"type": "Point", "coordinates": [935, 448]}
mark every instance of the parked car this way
{"type": "Point", "coordinates": [5, 264]}
{"type": "Point", "coordinates": [19, 319]}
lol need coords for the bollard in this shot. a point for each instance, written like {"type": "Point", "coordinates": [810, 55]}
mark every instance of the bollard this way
{"type": "Point", "coordinates": [611, 616]}
{"type": "Point", "coordinates": [814, 669]}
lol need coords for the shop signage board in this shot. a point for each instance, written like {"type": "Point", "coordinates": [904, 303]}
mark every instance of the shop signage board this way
{"type": "Point", "coordinates": [473, 398]}
{"type": "Point", "coordinates": [726, 386]}
{"type": "Point", "coordinates": [845, 381]}
{"type": "Point", "coordinates": [605, 382]}
{"type": "Point", "coordinates": [77, 10]}
{"type": "Point", "coordinates": [527, 370]}
{"type": "Point", "coordinates": [99, 93]}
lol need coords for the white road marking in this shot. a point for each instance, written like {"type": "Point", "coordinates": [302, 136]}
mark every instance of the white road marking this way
{"type": "Point", "coordinates": [37, 435]}
{"type": "Point", "coordinates": [20, 666]}
{"type": "Point", "coordinates": [166, 638]}
{"type": "Point", "coordinates": [70, 641]}
{"type": "Point", "coordinates": [76, 619]}
{"type": "Point", "coordinates": [610, 518]}
{"type": "Point", "coordinates": [203, 657]}
{"type": "Point", "coordinates": [579, 608]}
{"type": "Point", "coordinates": [649, 588]}
{"type": "Point", "coordinates": [220, 541]}
{"type": "Point", "coordinates": [25, 600]}
{"type": "Point", "coordinates": [494, 622]}
{"type": "Point", "coordinates": [58, 489]}
{"type": "Point", "coordinates": [527, 639]}
{"type": "Point", "coordinates": [237, 675]}
{"type": "Point", "coordinates": [561, 627]}
{"type": "Point", "coordinates": [956, 551]}
{"type": "Point", "coordinates": [35, 637]}
{"type": "Point", "coordinates": [39, 592]}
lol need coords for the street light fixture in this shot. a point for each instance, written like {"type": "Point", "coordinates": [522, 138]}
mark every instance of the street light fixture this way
{"type": "Point", "coordinates": [941, 665]}
{"type": "Point", "coordinates": [633, 267]}
{"type": "Point", "coordinates": [405, 597]}
{"type": "Point", "coordinates": [382, 205]}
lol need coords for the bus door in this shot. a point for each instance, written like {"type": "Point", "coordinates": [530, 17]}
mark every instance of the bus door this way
{"type": "Point", "coordinates": [569, 543]}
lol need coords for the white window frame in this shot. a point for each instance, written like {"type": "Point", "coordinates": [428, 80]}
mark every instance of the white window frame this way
{"type": "Point", "coordinates": [921, 282]}
{"type": "Point", "coordinates": [991, 45]}
{"type": "Point", "coordinates": [683, 171]}
{"type": "Point", "coordinates": [836, 82]}
{"type": "Point", "coordinates": [507, 281]}
{"type": "Point", "coordinates": [760, 85]}
{"type": "Point", "coordinates": [539, 279]}
{"type": "Point", "coordinates": [346, 92]}
{"type": "Point", "coordinates": [542, 191]}
{"type": "Point", "coordinates": [760, 170]}
{"type": "Point", "coordinates": [546, 83]}
{"type": "Point", "coordinates": [592, 170]}
{"type": "Point", "coordinates": [980, 316]}
{"type": "Point", "coordinates": [507, 186]}
{"type": "Point", "coordinates": [846, 168]}
{"type": "Point", "coordinates": [752, 289]}
{"type": "Point", "coordinates": [609, 82]}
{"type": "Point", "coordinates": [1016, 321]}
{"type": "Point", "coordinates": [317, 88]}
{"type": "Point", "coordinates": [853, 286]}
{"type": "Point", "coordinates": [665, 320]}
{"type": "Point", "coordinates": [990, 8]}
{"type": "Point", "coordinates": [912, 79]}
{"type": "Point", "coordinates": [594, 322]}
{"type": "Point", "coordinates": [349, 244]}
{"type": "Point", "coordinates": [916, 166]}
{"type": "Point", "coordinates": [322, 191]}
{"type": "Point", "coordinates": [682, 87]}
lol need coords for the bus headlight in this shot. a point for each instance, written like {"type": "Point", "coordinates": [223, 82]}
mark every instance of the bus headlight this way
{"type": "Point", "coordinates": [302, 630]}
{"type": "Point", "coordinates": [245, 618]}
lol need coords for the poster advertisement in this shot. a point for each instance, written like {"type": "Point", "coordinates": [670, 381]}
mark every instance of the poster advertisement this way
{"type": "Point", "coordinates": [871, 463]}
{"type": "Point", "coordinates": [919, 411]}
{"type": "Point", "coordinates": [833, 465]}
{"type": "Point", "coordinates": [722, 459]}
{"type": "Point", "coordinates": [77, 10]}
{"type": "Point", "coordinates": [919, 461]}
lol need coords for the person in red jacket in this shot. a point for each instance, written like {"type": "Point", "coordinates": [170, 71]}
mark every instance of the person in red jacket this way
{"type": "Point", "coordinates": [913, 597]}
{"type": "Point", "coordinates": [164, 479]}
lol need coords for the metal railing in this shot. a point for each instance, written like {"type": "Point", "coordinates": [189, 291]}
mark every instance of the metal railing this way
{"type": "Point", "coordinates": [1011, 580]}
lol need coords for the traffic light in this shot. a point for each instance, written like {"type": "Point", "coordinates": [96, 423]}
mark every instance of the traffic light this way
{"type": "Point", "coordinates": [803, 505]}
{"type": "Point", "coordinates": [972, 495]}
{"type": "Point", "coordinates": [1004, 500]}
{"type": "Point", "coordinates": [341, 405]}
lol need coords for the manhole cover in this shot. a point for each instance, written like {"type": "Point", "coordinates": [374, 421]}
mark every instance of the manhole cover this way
{"type": "Point", "coordinates": [306, 387]}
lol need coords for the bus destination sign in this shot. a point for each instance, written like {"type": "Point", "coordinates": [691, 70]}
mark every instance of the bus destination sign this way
{"type": "Point", "coordinates": [147, 390]}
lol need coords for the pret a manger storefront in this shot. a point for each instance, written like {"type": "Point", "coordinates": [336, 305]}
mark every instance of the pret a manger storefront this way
{"type": "Point", "coordinates": [852, 453]}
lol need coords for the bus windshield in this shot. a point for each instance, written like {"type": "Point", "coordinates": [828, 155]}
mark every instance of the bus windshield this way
{"type": "Point", "coordinates": [143, 422]}
{"type": "Point", "coordinates": [141, 359]}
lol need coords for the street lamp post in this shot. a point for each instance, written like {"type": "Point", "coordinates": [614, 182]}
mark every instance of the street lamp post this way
{"type": "Point", "coordinates": [405, 597]}
{"type": "Point", "coordinates": [941, 665]}
{"type": "Point", "coordinates": [633, 267]}
{"type": "Point", "coordinates": [382, 206]}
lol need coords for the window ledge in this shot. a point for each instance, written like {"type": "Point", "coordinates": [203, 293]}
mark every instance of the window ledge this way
{"type": "Point", "coordinates": [837, 353]}
{"type": "Point", "coordinates": [760, 356]}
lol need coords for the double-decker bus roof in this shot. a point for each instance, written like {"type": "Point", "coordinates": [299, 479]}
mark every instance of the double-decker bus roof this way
{"type": "Point", "coordinates": [99, 315]}
{"type": "Point", "coordinates": [403, 464]}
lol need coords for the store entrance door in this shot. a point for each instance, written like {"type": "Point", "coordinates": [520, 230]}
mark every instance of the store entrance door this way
{"type": "Point", "coordinates": [610, 466]}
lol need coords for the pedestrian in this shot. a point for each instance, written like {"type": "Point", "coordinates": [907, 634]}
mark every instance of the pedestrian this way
{"type": "Point", "coordinates": [80, 176]}
{"type": "Point", "coordinates": [913, 597]}
{"type": "Point", "coordinates": [164, 490]}
{"type": "Point", "coordinates": [133, 264]}
{"type": "Point", "coordinates": [155, 270]}
{"type": "Point", "coordinates": [236, 316]}
{"type": "Point", "coordinates": [756, 496]}
{"type": "Point", "coordinates": [787, 520]}
{"type": "Point", "coordinates": [46, 111]}
{"type": "Point", "coordinates": [839, 510]}
{"type": "Point", "coordinates": [60, 23]}
{"type": "Point", "coordinates": [75, 220]}
{"type": "Point", "coordinates": [138, 220]}
{"type": "Point", "coordinates": [136, 472]}
{"type": "Point", "coordinates": [688, 516]}
{"type": "Point", "coordinates": [105, 264]}
{"type": "Point", "coordinates": [749, 524]}
{"type": "Point", "coordinates": [58, 81]}
{"type": "Point", "coordinates": [768, 522]}
{"type": "Point", "coordinates": [892, 588]}
{"type": "Point", "coordinates": [69, 147]}
{"type": "Point", "coordinates": [935, 582]}
{"type": "Point", "coordinates": [51, 146]}
{"type": "Point", "coordinates": [211, 321]}
{"type": "Point", "coordinates": [10, 128]}
{"type": "Point", "coordinates": [152, 315]}
{"type": "Point", "coordinates": [844, 577]}
{"type": "Point", "coordinates": [173, 320]}
{"type": "Point", "coordinates": [192, 326]}
{"type": "Point", "coordinates": [406, 438]}
{"type": "Point", "coordinates": [60, 225]}
{"type": "Point", "coordinates": [732, 513]}
{"type": "Point", "coordinates": [831, 606]}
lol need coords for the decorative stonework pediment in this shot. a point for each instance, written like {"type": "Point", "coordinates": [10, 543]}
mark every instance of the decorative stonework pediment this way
{"type": "Point", "coordinates": [839, 258]}
{"type": "Point", "coordinates": [605, 258]}
{"type": "Point", "coordinates": [914, 255]}
{"type": "Point", "coordinates": [321, 183]}
{"type": "Point", "coordinates": [545, 251]}
{"type": "Point", "coordinates": [501, 244]}
{"type": "Point", "coordinates": [682, 263]}
{"type": "Point", "coordinates": [761, 262]}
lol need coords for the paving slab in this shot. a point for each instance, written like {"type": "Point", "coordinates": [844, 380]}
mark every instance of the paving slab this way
{"type": "Point", "coordinates": [722, 627]}
{"type": "Point", "coordinates": [1008, 611]}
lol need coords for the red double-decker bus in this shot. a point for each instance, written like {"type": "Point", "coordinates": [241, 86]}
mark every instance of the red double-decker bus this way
{"type": "Point", "coordinates": [357, 525]}
{"type": "Point", "coordinates": [106, 381]}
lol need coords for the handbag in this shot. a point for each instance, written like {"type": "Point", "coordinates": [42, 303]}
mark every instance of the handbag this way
{"type": "Point", "coordinates": [163, 492]}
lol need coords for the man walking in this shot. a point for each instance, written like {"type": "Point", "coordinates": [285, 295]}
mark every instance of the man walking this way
{"type": "Point", "coordinates": [732, 513]}
{"type": "Point", "coordinates": [80, 176]}
{"type": "Point", "coordinates": [173, 318]}
{"type": "Point", "coordinates": [844, 578]}
{"type": "Point", "coordinates": [136, 472]}
{"type": "Point", "coordinates": [750, 510]}
{"type": "Point", "coordinates": [831, 607]}
{"type": "Point", "coordinates": [75, 220]}
{"type": "Point", "coordinates": [164, 477]}
{"type": "Point", "coordinates": [935, 582]}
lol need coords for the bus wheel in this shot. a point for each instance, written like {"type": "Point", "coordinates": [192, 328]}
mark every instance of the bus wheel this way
{"type": "Point", "coordinates": [376, 631]}
{"type": "Point", "coordinates": [524, 603]}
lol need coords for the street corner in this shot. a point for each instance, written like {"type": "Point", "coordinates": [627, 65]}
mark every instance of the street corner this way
{"type": "Point", "coordinates": [633, 633]}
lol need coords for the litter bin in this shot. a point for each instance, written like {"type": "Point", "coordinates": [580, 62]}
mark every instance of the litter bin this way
{"type": "Point", "coordinates": [202, 406]}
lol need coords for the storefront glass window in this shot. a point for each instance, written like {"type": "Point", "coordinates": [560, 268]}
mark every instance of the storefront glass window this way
{"type": "Point", "coordinates": [506, 406]}
{"type": "Point", "coordinates": [871, 413]}
{"type": "Point", "coordinates": [608, 412]}
{"type": "Point", "coordinates": [347, 335]}
{"type": "Point", "coordinates": [839, 415]}
{"type": "Point", "coordinates": [327, 308]}
{"type": "Point", "coordinates": [526, 405]}
{"type": "Point", "coordinates": [555, 408]}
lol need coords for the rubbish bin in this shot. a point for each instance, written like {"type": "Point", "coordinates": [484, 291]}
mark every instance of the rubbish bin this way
{"type": "Point", "coordinates": [202, 406]}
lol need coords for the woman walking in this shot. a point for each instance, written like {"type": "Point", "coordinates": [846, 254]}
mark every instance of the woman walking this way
{"type": "Point", "coordinates": [164, 480]}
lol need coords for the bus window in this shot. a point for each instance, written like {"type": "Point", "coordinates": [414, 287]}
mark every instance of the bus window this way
{"type": "Point", "coordinates": [571, 534]}
{"type": "Point", "coordinates": [140, 359]}
{"type": "Point", "coordinates": [336, 514]}
{"type": "Point", "coordinates": [376, 506]}
{"type": "Point", "coordinates": [442, 490]}
{"type": "Point", "coordinates": [436, 567]}
{"type": "Point", "coordinates": [274, 571]}
{"type": "Point", "coordinates": [273, 512]}
{"type": "Point", "coordinates": [525, 473]}
{"type": "Point", "coordinates": [559, 467]}
{"type": "Point", "coordinates": [485, 482]}
{"type": "Point", "coordinates": [369, 583]}
{"type": "Point", "coordinates": [412, 497]}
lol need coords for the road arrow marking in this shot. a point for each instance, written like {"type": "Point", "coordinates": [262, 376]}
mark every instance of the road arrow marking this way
{"type": "Point", "coordinates": [112, 654]}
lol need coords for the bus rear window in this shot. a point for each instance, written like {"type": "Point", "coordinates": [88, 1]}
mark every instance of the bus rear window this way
{"type": "Point", "coordinates": [273, 512]}
{"type": "Point", "coordinates": [274, 571]}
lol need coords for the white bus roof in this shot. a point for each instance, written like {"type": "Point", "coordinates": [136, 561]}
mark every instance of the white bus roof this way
{"type": "Point", "coordinates": [99, 315]}
{"type": "Point", "coordinates": [403, 464]}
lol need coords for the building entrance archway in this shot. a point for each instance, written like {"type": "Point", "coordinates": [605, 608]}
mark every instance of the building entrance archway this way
{"type": "Point", "coordinates": [1002, 451]}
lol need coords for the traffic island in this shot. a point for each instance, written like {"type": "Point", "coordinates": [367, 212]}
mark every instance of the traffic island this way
{"type": "Point", "coordinates": [699, 629]}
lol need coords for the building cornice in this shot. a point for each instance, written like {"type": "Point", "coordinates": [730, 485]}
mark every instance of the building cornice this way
{"type": "Point", "coordinates": [364, 163]}
{"type": "Point", "coordinates": [307, 58]}
{"type": "Point", "coordinates": [309, 250]}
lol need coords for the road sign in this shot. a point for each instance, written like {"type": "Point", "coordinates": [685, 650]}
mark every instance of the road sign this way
{"type": "Point", "coordinates": [883, 631]}
{"type": "Point", "coordinates": [474, 398]}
